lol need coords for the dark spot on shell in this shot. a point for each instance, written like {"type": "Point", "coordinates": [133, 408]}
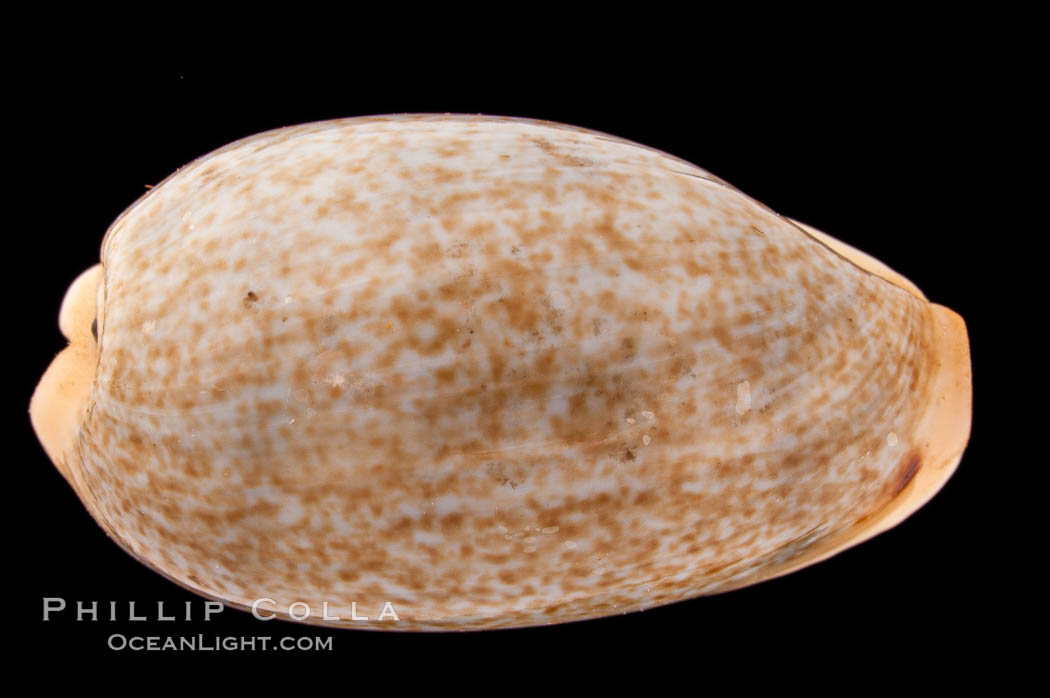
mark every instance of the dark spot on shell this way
{"type": "Point", "coordinates": [250, 298]}
{"type": "Point", "coordinates": [909, 467]}
{"type": "Point", "coordinates": [498, 472]}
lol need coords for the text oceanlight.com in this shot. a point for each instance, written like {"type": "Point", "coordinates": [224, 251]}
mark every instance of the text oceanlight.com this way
{"type": "Point", "coordinates": [215, 643]}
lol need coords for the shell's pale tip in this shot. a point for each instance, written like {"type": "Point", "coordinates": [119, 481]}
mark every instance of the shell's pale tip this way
{"type": "Point", "coordinates": [63, 393]}
{"type": "Point", "coordinates": [943, 431]}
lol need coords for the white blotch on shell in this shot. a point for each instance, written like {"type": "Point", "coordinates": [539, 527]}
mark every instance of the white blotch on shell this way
{"type": "Point", "coordinates": [743, 397]}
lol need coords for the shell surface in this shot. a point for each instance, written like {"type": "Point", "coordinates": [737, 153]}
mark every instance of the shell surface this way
{"type": "Point", "coordinates": [491, 371]}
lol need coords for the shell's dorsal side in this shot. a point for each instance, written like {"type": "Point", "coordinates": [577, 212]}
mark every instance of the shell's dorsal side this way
{"type": "Point", "coordinates": [487, 372]}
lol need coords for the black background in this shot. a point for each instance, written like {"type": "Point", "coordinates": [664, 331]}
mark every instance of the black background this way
{"type": "Point", "coordinates": [877, 152]}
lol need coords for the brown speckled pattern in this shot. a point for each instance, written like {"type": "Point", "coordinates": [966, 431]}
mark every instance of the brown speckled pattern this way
{"type": "Point", "coordinates": [493, 371]}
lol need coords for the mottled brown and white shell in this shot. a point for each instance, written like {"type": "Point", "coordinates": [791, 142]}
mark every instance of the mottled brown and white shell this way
{"type": "Point", "coordinates": [491, 371]}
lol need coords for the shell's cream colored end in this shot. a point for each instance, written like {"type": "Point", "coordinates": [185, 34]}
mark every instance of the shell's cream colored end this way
{"type": "Point", "coordinates": [63, 394]}
{"type": "Point", "coordinates": [940, 436]}
{"type": "Point", "coordinates": [944, 430]}
{"type": "Point", "coordinates": [942, 433]}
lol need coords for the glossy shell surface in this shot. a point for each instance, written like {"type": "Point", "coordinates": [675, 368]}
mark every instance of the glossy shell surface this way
{"type": "Point", "coordinates": [492, 371]}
